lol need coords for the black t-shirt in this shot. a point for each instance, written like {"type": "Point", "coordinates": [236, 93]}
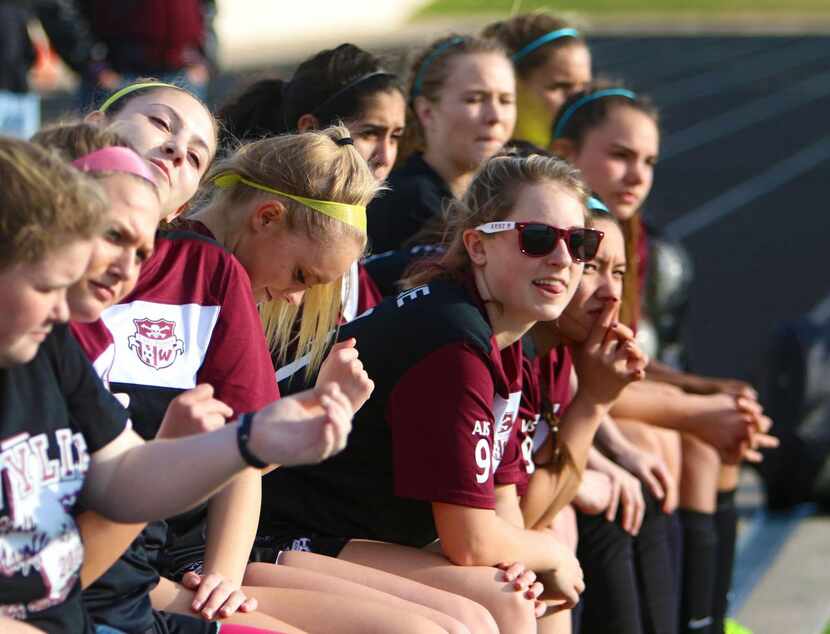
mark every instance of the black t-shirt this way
{"type": "Point", "coordinates": [54, 412]}
{"type": "Point", "coordinates": [417, 196]}
{"type": "Point", "coordinates": [437, 427]}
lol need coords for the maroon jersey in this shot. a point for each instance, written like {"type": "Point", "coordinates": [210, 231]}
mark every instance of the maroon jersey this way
{"type": "Point", "coordinates": [97, 343]}
{"type": "Point", "coordinates": [438, 428]}
{"type": "Point", "coordinates": [190, 319]}
{"type": "Point", "coordinates": [546, 394]}
{"type": "Point", "coordinates": [360, 292]}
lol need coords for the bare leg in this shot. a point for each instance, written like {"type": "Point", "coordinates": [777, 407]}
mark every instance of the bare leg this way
{"type": "Point", "coordinates": [172, 597]}
{"type": "Point", "coordinates": [312, 612]}
{"type": "Point", "coordinates": [307, 571]}
{"type": "Point", "coordinates": [698, 476]}
{"type": "Point", "coordinates": [511, 611]}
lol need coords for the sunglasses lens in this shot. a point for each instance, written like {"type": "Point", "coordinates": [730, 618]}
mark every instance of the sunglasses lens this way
{"type": "Point", "coordinates": [584, 243]}
{"type": "Point", "coordinates": [538, 239]}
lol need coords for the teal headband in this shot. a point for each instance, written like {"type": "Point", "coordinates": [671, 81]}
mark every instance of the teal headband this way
{"type": "Point", "coordinates": [595, 204]}
{"type": "Point", "coordinates": [576, 105]}
{"type": "Point", "coordinates": [542, 40]}
{"type": "Point", "coordinates": [428, 61]}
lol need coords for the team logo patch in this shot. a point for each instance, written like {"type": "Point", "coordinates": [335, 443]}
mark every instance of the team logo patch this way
{"type": "Point", "coordinates": [155, 342]}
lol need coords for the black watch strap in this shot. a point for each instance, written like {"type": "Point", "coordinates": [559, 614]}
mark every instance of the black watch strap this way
{"type": "Point", "coordinates": [243, 437]}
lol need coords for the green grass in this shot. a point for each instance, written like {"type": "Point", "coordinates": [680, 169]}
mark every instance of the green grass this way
{"type": "Point", "coordinates": [713, 7]}
{"type": "Point", "coordinates": [827, 629]}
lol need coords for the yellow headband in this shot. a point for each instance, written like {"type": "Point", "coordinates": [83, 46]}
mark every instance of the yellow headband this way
{"type": "Point", "coordinates": [132, 88]}
{"type": "Point", "coordinates": [354, 215]}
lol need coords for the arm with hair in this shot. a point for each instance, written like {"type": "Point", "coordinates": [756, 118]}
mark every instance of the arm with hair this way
{"type": "Point", "coordinates": [126, 474]}
{"type": "Point", "coordinates": [232, 520]}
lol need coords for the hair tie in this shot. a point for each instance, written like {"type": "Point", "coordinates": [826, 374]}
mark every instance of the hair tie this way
{"type": "Point", "coordinates": [428, 61]}
{"type": "Point", "coordinates": [132, 88]}
{"type": "Point", "coordinates": [352, 84]}
{"type": "Point", "coordinates": [346, 140]}
{"type": "Point", "coordinates": [576, 105]}
{"type": "Point", "coordinates": [115, 159]}
{"type": "Point", "coordinates": [542, 40]}
{"type": "Point", "coordinates": [354, 215]}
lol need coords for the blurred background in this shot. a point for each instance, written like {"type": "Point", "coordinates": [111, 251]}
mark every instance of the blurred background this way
{"type": "Point", "coordinates": [741, 185]}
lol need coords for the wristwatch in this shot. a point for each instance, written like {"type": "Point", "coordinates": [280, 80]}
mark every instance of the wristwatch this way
{"type": "Point", "coordinates": [243, 437]}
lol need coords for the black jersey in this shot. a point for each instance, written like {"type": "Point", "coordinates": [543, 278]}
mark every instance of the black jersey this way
{"type": "Point", "coordinates": [437, 427]}
{"type": "Point", "coordinates": [417, 196]}
{"type": "Point", "coordinates": [54, 412]}
{"type": "Point", "coordinates": [386, 269]}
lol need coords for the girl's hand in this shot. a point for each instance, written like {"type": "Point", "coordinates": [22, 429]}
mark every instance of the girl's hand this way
{"type": "Point", "coordinates": [193, 412]}
{"type": "Point", "coordinates": [609, 359]}
{"type": "Point", "coordinates": [565, 583]}
{"type": "Point", "coordinates": [305, 428]}
{"type": "Point", "coordinates": [524, 580]}
{"type": "Point", "coordinates": [626, 496]}
{"type": "Point", "coordinates": [216, 598]}
{"type": "Point", "coordinates": [343, 366]}
{"type": "Point", "coordinates": [735, 427]}
{"type": "Point", "coordinates": [653, 472]}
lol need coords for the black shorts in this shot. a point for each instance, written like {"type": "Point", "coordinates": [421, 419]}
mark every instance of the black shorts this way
{"type": "Point", "coordinates": [171, 623]}
{"type": "Point", "coordinates": [283, 537]}
{"type": "Point", "coordinates": [186, 553]}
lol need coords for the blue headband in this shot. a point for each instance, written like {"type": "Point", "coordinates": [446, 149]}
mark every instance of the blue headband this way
{"type": "Point", "coordinates": [576, 105]}
{"type": "Point", "coordinates": [429, 59]}
{"type": "Point", "coordinates": [595, 204]}
{"type": "Point", "coordinates": [542, 40]}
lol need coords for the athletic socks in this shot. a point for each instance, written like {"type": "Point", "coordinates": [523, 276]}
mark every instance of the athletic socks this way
{"type": "Point", "coordinates": [656, 572]}
{"type": "Point", "coordinates": [611, 598]}
{"type": "Point", "coordinates": [726, 525]}
{"type": "Point", "coordinates": [700, 544]}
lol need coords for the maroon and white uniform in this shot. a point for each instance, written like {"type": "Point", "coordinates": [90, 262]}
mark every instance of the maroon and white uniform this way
{"type": "Point", "coordinates": [546, 394]}
{"type": "Point", "coordinates": [190, 319]}
{"type": "Point", "coordinates": [438, 428]}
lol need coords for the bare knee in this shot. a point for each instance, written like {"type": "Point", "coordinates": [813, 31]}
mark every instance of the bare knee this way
{"type": "Point", "coordinates": [471, 618]}
{"type": "Point", "coordinates": [513, 613]}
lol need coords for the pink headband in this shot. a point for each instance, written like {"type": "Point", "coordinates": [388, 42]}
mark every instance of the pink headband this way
{"type": "Point", "coordinates": [115, 159]}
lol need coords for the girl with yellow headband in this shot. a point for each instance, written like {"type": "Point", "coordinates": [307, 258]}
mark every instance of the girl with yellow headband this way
{"type": "Point", "coordinates": [192, 276]}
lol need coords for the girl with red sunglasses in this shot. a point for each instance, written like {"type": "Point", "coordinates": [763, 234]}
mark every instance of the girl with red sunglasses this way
{"type": "Point", "coordinates": [427, 487]}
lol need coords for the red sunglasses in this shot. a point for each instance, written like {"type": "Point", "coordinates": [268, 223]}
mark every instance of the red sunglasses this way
{"type": "Point", "coordinates": [537, 239]}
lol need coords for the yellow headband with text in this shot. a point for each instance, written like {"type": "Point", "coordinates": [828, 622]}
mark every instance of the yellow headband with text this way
{"type": "Point", "coordinates": [354, 215]}
{"type": "Point", "coordinates": [132, 88]}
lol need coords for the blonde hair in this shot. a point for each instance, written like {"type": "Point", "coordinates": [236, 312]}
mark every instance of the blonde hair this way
{"type": "Point", "coordinates": [491, 197]}
{"type": "Point", "coordinates": [311, 165]}
{"type": "Point", "coordinates": [45, 204]}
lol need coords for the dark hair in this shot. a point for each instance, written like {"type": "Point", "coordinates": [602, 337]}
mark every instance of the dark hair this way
{"type": "Point", "coordinates": [429, 72]}
{"type": "Point", "coordinates": [579, 122]}
{"type": "Point", "coordinates": [521, 30]}
{"type": "Point", "coordinates": [333, 85]}
{"type": "Point", "coordinates": [593, 113]}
